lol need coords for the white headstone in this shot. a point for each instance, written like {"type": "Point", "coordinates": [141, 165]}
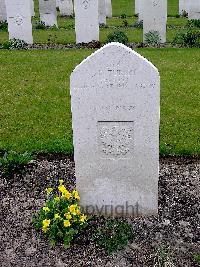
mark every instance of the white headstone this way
{"type": "Point", "coordinates": [3, 14]}
{"type": "Point", "coordinates": [57, 3]}
{"type": "Point", "coordinates": [48, 12]}
{"type": "Point", "coordinates": [194, 9]}
{"type": "Point", "coordinates": [66, 7]}
{"type": "Point", "coordinates": [115, 101]}
{"type": "Point", "coordinates": [140, 5]}
{"type": "Point", "coordinates": [155, 18]}
{"type": "Point", "coordinates": [102, 12]}
{"type": "Point", "coordinates": [108, 8]}
{"type": "Point", "coordinates": [86, 21]}
{"type": "Point", "coordinates": [32, 8]}
{"type": "Point", "coordinates": [19, 20]}
{"type": "Point", "coordinates": [183, 6]}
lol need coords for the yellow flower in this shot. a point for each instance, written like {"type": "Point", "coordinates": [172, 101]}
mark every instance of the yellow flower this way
{"type": "Point", "coordinates": [83, 218]}
{"type": "Point", "coordinates": [61, 182]}
{"type": "Point", "coordinates": [68, 216]}
{"type": "Point", "coordinates": [46, 209]}
{"type": "Point", "coordinates": [62, 188]}
{"type": "Point", "coordinates": [67, 223]}
{"type": "Point", "coordinates": [49, 190]}
{"type": "Point", "coordinates": [46, 223]}
{"type": "Point", "coordinates": [66, 194]}
{"type": "Point", "coordinates": [76, 194]}
{"type": "Point", "coordinates": [57, 199]}
{"type": "Point", "coordinates": [45, 229]}
{"type": "Point", "coordinates": [74, 210]}
{"type": "Point", "coordinates": [56, 216]}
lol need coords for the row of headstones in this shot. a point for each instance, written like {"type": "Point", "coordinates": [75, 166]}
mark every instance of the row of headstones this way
{"type": "Point", "coordinates": [88, 15]}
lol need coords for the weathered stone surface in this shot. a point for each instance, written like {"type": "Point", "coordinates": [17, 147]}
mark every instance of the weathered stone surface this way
{"type": "Point", "coordinates": [155, 18]}
{"type": "Point", "coordinates": [115, 117]}
{"type": "Point", "coordinates": [48, 13]}
{"type": "Point", "coordinates": [86, 21]}
{"type": "Point", "coordinates": [3, 14]}
{"type": "Point", "coordinates": [193, 9]}
{"type": "Point", "coordinates": [108, 8]}
{"type": "Point", "coordinates": [102, 12]}
{"type": "Point", "coordinates": [19, 20]}
{"type": "Point", "coordinates": [66, 7]}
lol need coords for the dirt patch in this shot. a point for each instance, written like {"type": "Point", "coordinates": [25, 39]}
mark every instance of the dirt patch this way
{"type": "Point", "coordinates": [177, 226]}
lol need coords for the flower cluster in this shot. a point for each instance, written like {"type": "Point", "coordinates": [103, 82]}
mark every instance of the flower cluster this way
{"type": "Point", "coordinates": [61, 219]}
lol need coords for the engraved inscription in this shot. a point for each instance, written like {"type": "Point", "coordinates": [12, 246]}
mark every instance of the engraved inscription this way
{"type": "Point", "coordinates": [115, 139]}
{"type": "Point", "coordinates": [86, 4]}
{"type": "Point", "coordinates": [18, 19]}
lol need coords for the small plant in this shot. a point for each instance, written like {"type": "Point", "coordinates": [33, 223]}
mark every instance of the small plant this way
{"type": "Point", "coordinates": [138, 24]}
{"type": "Point", "coordinates": [40, 25]}
{"type": "Point", "coordinates": [184, 14]}
{"type": "Point", "coordinates": [3, 26]}
{"type": "Point", "coordinates": [194, 23]}
{"type": "Point", "coordinates": [152, 38]}
{"type": "Point", "coordinates": [197, 258]}
{"type": "Point", "coordinates": [117, 36]}
{"type": "Point", "coordinates": [13, 162]}
{"type": "Point", "coordinates": [189, 38]}
{"type": "Point", "coordinates": [60, 220]}
{"type": "Point", "coordinates": [162, 257]}
{"type": "Point", "coordinates": [125, 23]}
{"type": "Point", "coordinates": [14, 44]}
{"type": "Point", "coordinates": [113, 235]}
{"type": "Point", "coordinates": [123, 16]}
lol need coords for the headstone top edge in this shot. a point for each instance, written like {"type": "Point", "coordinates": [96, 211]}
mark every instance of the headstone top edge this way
{"type": "Point", "coordinates": [114, 44]}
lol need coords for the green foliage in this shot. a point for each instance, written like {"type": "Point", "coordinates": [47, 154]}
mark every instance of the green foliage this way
{"type": "Point", "coordinates": [125, 23]}
{"type": "Point", "coordinates": [113, 235]}
{"type": "Point", "coordinates": [3, 26]}
{"type": "Point", "coordinates": [184, 14]}
{"type": "Point", "coordinates": [138, 24]}
{"type": "Point", "coordinates": [123, 16]}
{"type": "Point", "coordinates": [197, 258]}
{"type": "Point", "coordinates": [40, 25]}
{"type": "Point", "coordinates": [14, 44]}
{"type": "Point", "coordinates": [117, 36]}
{"type": "Point", "coordinates": [194, 23]}
{"type": "Point", "coordinates": [60, 220]}
{"type": "Point", "coordinates": [188, 38]}
{"type": "Point", "coordinates": [152, 38]}
{"type": "Point", "coordinates": [162, 256]}
{"type": "Point", "coordinates": [13, 162]}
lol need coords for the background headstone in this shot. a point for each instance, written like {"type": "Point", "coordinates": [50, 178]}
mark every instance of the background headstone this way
{"type": "Point", "coordinates": [194, 9]}
{"type": "Point", "coordinates": [48, 12]}
{"type": "Point", "coordinates": [19, 20]}
{"type": "Point", "coordinates": [3, 14]}
{"type": "Point", "coordinates": [86, 21]}
{"type": "Point", "coordinates": [102, 12]}
{"type": "Point", "coordinates": [155, 18]}
{"type": "Point", "coordinates": [183, 6]}
{"type": "Point", "coordinates": [108, 8]}
{"type": "Point", "coordinates": [66, 7]}
{"type": "Point", "coordinates": [115, 100]}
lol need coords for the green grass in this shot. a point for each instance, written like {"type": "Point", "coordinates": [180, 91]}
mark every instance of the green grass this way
{"type": "Point", "coordinates": [35, 99]}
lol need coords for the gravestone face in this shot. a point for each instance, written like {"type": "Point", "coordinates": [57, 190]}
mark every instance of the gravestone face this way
{"type": "Point", "coordinates": [66, 7]}
{"type": "Point", "coordinates": [48, 13]}
{"type": "Point", "coordinates": [19, 20]}
{"type": "Point", "coordinates": [140, 5]}
{"type": "Point", "coordinates": [155, 18]}
{"type": "Point", "coordinates": [3, 14]}
{"type": "Point", "coordinates": [86, 21]}
{"type": "Point", "coordinates": [194, 9]}
{"type": "Point", "coordinates": [102, 12]}
{"type": "Point", "coordinates": [183, 6]}
{"type": "Point", "coordinates": [115, 119]}
{"type": "Point", "coordinates": [108, 8]}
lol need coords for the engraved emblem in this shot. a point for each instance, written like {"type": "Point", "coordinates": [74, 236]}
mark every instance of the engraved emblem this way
{"type": "Point", "coordinates": [116, 139]}
{"type": "Point", "coordinates": [86, 4]}
{"type": "Point", "coordinates": [19, 19]}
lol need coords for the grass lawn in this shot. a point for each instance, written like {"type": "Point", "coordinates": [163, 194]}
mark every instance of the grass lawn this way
{"type": "Point", "coordinates": [35, 100]}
